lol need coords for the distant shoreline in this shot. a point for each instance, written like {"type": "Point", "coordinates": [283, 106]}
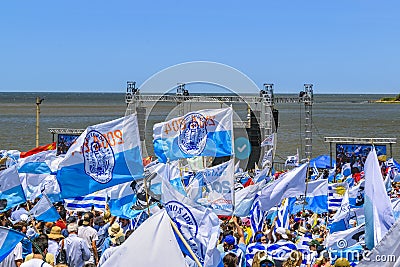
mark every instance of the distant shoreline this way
{"type": "Point", "coordinates": [387, 101]}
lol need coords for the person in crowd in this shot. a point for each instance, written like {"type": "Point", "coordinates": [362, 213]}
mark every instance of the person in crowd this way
{"type": "Point", "coordinates": [62, 221]}
{"type": "Point", "coordinates": [124, 223]}
{"type": "Point", "coordinates": [238, 248]}
{"type": "Point", "coordinates": [55, 237]}
{"type": "Point", "coordinates": [116, 240]}
{"type": "Point", "coordinates": [113, 231]}
{"type": "Point", "coordinates": [261, 259]}
{"type": "Point", "coordinates": [89, 234]}
{"type": "Point", "coordinates": [294, 259]}
{"type": "Point", "coordinates": [49, 257]}
{"type": "Point", "coordinates": [77, 249]}
{"type": "Point", "coordinates": [39, 253]}
{"type": "Point", "coordinates": [21, 210]}
{"type": "Point", "coordinates": [342, 262]}
{"type": "Point", "coordinates": [104, 222]}
{"type": "Point", "coordinates": [22, 227]}
{"type": "Point", "coordinates": [313, 255]}
{"type": "Point", "coordinates": [281, 249]}
{"type": "Point", "coordinates": [230, 260]}
{"type": "Point", "coordinates": [259, 244]}
{"type": "Point", "coordinates": [323, 261]}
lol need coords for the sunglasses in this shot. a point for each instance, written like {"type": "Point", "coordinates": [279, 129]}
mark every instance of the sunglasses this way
{"type": "Point", "coordinates": [266, 264]}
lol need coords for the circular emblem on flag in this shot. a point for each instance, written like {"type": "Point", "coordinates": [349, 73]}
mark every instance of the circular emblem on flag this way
{"type": "Point", "coordinates": [98, 156]}
{"type": "Point", "coordinates": [186, 224]}
{"type": "Point", "coordinates": [193, 134]}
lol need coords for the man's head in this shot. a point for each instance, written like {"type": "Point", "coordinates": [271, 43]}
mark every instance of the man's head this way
{"type": "Point", "coordinates": [41, 245]}
{"type": "Point", "coordinates": [313, 244]}
{"type": "Point", "coordinates": [86, 220]}
{"type": "Point", "coordinates": [229, 242]}
{"type": "Point", "coordinates": [72, 228]}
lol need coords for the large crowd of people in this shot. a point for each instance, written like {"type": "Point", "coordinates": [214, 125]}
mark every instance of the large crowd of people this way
{"type": "Point", "coordinates": [89, 238]}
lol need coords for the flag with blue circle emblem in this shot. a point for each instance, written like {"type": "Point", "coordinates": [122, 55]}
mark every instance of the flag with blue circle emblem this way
{"type": "Point", "coordinates": [104, 155]}
{"type": "Point", "coordinates": [198, 225]}
{"type": "Point", "coordinates": [215, 188]}
{"type": "Point", "coordinates": [206, 132]}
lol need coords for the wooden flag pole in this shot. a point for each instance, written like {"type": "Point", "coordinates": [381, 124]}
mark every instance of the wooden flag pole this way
{"type": "Point", "coordinates": [185, 242]}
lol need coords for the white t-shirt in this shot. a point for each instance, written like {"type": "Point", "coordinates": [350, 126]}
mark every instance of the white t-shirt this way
{"type": "Point", "coordinates": [35, 263]}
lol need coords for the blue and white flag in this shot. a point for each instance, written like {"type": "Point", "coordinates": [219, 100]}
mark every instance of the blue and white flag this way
{"type": "Point", "coordinates": [283, 214]}
{"type": "Point", "coordinates": [347, 238]}
{"type": "Point", "coordinates": [96, 201]}
{"type": "Point", "coordinates": [290, 184]}
{"type": "Point", "coordinates": [104, 155]}
{"type": "Point", "coordinates": [126, 203]}
{"type": "Point", "coordinates": [340, 221]}
{"type": "Point", "coordinates": [257, 217]}
{"type": "Point", "coordinates": [335, 195]}
{"type": "Point", "coordinates": [396, 207]}
{"type": "Point", "coordinates": [356, 195]}
{"type": "Point", "coordinates": [316, 199]}
{"type": "Point", "coordinates": [198, 225]}
{"type": "Point", "coordinates": [39, 163]}
{"type": "Point", "coordinates": [206, 132]}
{"type": "Point", "coordinates": [245, 199]}
{"type": "Point", "coordinates": [217, 187]}
{"type": "Point", "coordinates": [262, 176]}
{"type": "Point", "coordinates": [315, 172]}
{"type": "Point", "coordinates": [281, 250]}
{"type": "Point", "coordinates": [8, 240]}
{"type": "Point", "coordinates": [40, 180]}
{"type": "Point", "coordinates": [388, 249]}
{"type": "Point", "coordinates": [11, 192]}
{"type": "Point", "coordinates": [303, 247]}
{"type": "Point", "coordinates": [269, 141]}
{"type": "Point", "coordinates": [346, 170]}
{"type": "Point", "coordinates": [44, 210]}
{"type": "Point", "coordinates": [292, 160]}
{"type": "Point", "coordinates": [378, 209]}
{"type": "Point", "coordinates": [267, 158]}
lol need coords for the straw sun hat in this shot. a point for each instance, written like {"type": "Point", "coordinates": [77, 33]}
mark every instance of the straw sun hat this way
{"type": "Point", "coordinates": [55, 233]}
{"type": "Point", "coordinates": [116, 233]}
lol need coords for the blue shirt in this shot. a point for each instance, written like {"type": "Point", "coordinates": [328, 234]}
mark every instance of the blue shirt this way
{"type": "Point", "coordinates": [77, 251]}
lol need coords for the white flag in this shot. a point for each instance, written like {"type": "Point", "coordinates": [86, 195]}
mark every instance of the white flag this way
{"type": "Point", "coordinates": [378, 209]}
{"type": "Point", "coordinates": [217, 187]}
{"type": "Point", "coordinates": [153, 244]}
{"type": "Point", "coordinates": [290, 184]}
{"type": "Point", "coordinates": [269, 141]}
{"type": "Point", "coordinates": [388, 247]}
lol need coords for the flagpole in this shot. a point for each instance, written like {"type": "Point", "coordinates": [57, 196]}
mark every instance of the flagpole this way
{"type": "Point", "coordinates": [233, 159]}
{"type": "Point", "coordinates": [307, 177]}
{"type": "Point", "coordinates": [185, 242]}
{"type": "Point", "coordinates": [147, 196]}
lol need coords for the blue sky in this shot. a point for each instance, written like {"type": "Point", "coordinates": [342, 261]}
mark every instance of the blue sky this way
{"type": "Point", "coordinates": [339, 46]}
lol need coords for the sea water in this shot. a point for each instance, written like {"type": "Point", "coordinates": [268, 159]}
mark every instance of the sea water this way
{"type": "Point", "coordinates": [333, 115]}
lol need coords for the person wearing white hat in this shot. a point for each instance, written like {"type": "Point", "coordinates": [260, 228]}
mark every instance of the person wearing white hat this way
{"type": "Point", "coordinates": [282, 248]}
{"type": "Point", "coordinates": [88, 233]}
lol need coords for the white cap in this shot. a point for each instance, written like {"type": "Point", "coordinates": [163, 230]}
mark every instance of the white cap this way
{"type": "Point", "coordinates": [282, 231]}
